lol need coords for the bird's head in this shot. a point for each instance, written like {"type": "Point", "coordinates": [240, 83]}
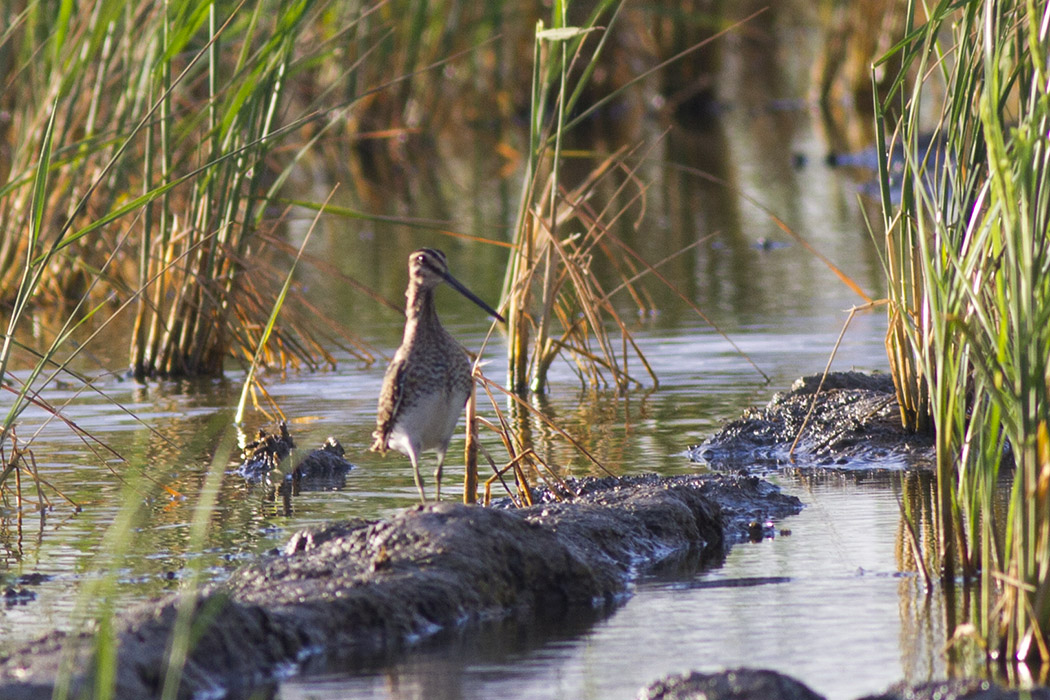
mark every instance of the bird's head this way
{"type": "Point", "coordinates": [427, 268]}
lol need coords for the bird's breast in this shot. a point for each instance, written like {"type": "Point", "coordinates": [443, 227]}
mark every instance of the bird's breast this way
{"type": "Point", "coordinates": [428, 420]}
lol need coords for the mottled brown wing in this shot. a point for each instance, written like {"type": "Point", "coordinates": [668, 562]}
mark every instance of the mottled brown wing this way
{"type": "Point", "coordinates": [389, 400]}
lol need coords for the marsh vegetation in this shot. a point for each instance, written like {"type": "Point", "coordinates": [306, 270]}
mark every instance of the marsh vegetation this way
{"type": "Point", "coordinates": [615, 171]}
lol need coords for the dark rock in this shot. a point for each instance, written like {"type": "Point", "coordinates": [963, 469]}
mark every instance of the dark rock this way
{"type": "Point", "coordinates": [325, 465]}
{"type": "Point", "coordinates": [33, 579]}
{"type": "Point", "coordinates": [739, 684]}
{"type": "Point", "coordinates": [751, 684]}
{"type": "Point", "coordinates": [362, 591]}
{"type": "Point", "coordinates": [853, 423]}
{"type": "Point", "coordinates": [972, 689]}
{"type": "Point", "coordinates": [19, 591]}
{"type": "Point", "coordinates": [18, 596]}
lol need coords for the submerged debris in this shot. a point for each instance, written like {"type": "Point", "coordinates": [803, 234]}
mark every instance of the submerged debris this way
{"type": "Point", "coordinates": [267, 458]}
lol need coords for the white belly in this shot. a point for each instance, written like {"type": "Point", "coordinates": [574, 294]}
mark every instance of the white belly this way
{"type": "Point", "coordinates": [430, 420]}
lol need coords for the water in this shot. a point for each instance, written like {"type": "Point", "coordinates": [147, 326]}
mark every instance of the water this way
{"type": "Point", "coordinates": [845, 615]}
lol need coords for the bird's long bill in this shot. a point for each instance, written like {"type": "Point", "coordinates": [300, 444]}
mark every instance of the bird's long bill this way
{"type": "Point", "coordinates": [455, 284]}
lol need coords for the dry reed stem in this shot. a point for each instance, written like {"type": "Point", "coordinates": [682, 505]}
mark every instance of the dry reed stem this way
{"type": "Point", "coordinates": [827, 368]}
{"type": "Point", "coordinates": [470, 450]}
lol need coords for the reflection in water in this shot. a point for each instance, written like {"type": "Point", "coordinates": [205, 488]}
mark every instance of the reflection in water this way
{"type": "Point", "coordinates": [511, 651]}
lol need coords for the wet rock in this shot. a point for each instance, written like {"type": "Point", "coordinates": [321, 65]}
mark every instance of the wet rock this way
{"type": "Point", "coordinates": [324, 464]}
{"type": "Point", "coordinates": [265, 453]}
{"type": "Point", "coordinates": [959, 690]}
{"type": "Point", "coordinates": [17, 595]}
{"type": "Point", "coordinates": [20, 590]}
{"type": "Point", "coordinates": [852, 423]}
{"type": "Point", "coordinates": [739, 684]}
{"type": "Point", "coordinates": [33, 579]}
{"type": "Point", "coordinates": [361, 591]}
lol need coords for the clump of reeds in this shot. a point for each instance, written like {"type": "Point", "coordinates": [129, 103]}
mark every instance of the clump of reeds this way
{"type": "Point", "coordinates": [968, 263]}
{"type": "Point", "coordinates": [195, 263]}
{"type": "Point", "coordinates": [139, 151]}
{"type": "Point", "coordinates": [568, 262]}
{"type": "Point", "coordinates": [537, 243]}
{"type": "Point", "coordinates": [555, 301]}
{"type": "Point", "coordinates": [162, 124]}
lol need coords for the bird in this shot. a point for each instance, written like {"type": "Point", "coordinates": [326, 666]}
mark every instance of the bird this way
{"type": "Point", "coordinates": [429, 380]}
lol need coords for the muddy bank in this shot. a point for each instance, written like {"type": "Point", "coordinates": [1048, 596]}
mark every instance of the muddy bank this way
{"type": "Point", "coordinates": [854, 424]}
{"type": "Point", "coordinates": [364, 590]}
{"type": "Point", "coordinates": [755, 684]}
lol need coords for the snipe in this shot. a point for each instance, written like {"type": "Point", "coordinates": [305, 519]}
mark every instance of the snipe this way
{"type": "Point", "coordinates": [428, 382]}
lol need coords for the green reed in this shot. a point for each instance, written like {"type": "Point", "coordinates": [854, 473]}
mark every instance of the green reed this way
{"type": "Point", "coordinates": [129, 161]}
{"type": "Point", "coordinates": [173, 127]}
{"type": "Point", "coordinates": [554, 302]}
{"type": "Point", "coordinates": [968, 251]}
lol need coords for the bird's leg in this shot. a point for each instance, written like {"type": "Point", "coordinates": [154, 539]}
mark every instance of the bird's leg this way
{"type": "Point", "coordinates": [437, 475]}
{"type": "Point", "coordinates": [419, 479]}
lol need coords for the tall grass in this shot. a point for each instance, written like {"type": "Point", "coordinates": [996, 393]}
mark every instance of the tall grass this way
{"type": "Point", "coordinates": [173, 127]}
{"type": "Point", "coordinates": [548, 280]}
{"type": "Point", "coordinates": [969, 266]}
{"type": "Point", "coordinates": [553, 291]}
{"type": "Point", "coordinates": [182, 324]}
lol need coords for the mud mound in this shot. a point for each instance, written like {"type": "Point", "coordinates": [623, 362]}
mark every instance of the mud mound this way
{"type": "Point", "coordinates": [752, 684]}
{"type": "Point", "coordinates": [854, 424]}
{"type": "Point", "coordinates": [363, 590]}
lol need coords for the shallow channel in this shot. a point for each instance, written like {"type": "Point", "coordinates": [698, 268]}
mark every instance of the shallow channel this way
{"type": "Point", "coordinates": [826, 603]}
